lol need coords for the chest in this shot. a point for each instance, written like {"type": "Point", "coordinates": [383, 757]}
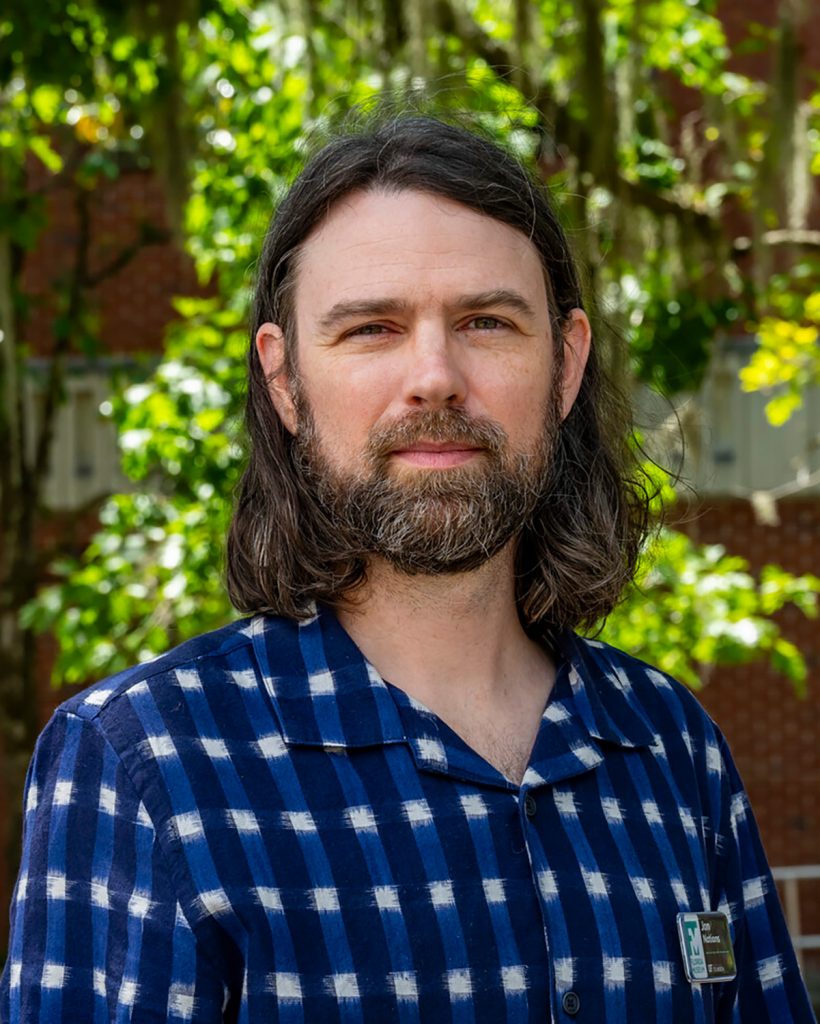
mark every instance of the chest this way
{"type": "Point", "coordinates": [503, 744]}
{"type": "Point", "coordinates": [395, 894]}
{"type": "Point", "coordinates": [502, 735]}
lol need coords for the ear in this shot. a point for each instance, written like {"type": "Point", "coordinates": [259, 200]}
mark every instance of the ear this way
{"type": "Point", "coordinates": [270, 345]}
{"type": "Point", "coordinates": [577, 341]}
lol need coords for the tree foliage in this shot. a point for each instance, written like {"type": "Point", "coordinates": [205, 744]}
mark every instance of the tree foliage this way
{"type": "Point", "coordinates": [639, 116]}
{"type": "Point", "coordinates": [696, 606]}
{"type": "Point", "coordinates": [787, 360]}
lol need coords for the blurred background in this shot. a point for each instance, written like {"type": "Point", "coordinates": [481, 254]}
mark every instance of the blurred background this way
{"type": "Point", "coordinates": [142, 147]}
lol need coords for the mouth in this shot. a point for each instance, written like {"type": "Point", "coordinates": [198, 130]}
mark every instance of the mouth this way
{"type": "Point", "coordinates": [436, 454]}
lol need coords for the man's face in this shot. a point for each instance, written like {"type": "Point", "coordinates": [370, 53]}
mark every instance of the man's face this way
{"type": "Point", "coordinates": [423, 408]}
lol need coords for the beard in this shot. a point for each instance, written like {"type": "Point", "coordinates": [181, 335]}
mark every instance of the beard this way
{"type": "Point", "coordinates": [430, 522]}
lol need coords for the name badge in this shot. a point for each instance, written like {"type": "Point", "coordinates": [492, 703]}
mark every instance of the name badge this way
{"type": "Point", "coordinates": [706, 945]}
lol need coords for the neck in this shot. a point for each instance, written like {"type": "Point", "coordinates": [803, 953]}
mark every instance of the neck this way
{"type": "Point", "coordinates": [448, 639]}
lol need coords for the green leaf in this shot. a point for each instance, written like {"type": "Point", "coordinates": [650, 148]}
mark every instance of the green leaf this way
{"type": "Point", "coordinates": [41, 147]}
{"type": "Point", "coordinates": [46, 101]}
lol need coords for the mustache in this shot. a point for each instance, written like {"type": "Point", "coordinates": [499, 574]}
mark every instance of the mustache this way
{"type": "Point", "coordinates": [444, 426]}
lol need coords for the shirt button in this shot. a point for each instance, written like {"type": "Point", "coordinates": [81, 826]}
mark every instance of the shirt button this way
{"type": "Point", "coordinates": [530, 806]}
{"type": "Point", "coordinates": [571, 1003]}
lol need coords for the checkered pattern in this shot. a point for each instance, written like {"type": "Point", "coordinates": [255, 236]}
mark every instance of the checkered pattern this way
{"type": "Point", "coordinates": [257, 828]}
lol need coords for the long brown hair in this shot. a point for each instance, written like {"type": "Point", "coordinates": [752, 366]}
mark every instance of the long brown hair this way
{"type": "Point", "coordinates": [579, 551]}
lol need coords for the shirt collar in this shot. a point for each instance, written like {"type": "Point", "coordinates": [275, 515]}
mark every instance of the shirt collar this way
{"type": "Point", "coordinates": [327, 694]}
{"type": "Point", "coordinates": [592, 705]}
{"type": "Point", "coordinates": [604, 699]}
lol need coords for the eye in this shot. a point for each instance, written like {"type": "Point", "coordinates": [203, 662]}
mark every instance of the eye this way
{"type": "Point", "coordinates": [485, 322]}
{"type": "Point", "coordinates": [367, 331]}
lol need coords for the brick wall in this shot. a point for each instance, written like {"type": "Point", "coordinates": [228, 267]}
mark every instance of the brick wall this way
{"type": "Point", "coordinates": [774, 735]}
{"type": "Point", "coordinates": [134, 304]}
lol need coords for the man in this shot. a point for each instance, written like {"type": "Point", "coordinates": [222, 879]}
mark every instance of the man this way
{"type": "Point", "coordinates": [405, 790]}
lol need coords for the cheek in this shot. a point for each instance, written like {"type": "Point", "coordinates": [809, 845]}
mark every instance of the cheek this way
{"type": "Point", "coordinates": [347, 401]}
{"type": "Point", "coordinates": [520, 406]}
{"type": "Point", "coordinates": [342, 421]}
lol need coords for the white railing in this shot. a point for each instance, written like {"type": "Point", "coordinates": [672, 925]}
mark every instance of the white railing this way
{"type": "Point", "coordinates": [790, 879]}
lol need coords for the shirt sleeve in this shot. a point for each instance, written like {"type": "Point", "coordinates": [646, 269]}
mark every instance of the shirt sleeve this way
{"type": "Point", "coordinates": [769, 989]}
{"type": "Point", "coordinates": [97, 932]}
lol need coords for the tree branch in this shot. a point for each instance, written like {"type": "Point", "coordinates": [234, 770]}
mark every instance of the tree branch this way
{"type": "Point", "coordinates": [149, 234]}
{"type": "Point", "coordinates": [62, 343]}
{"type": "Point", "coordinates": [801, 238]}
{"type": "Point", "coordinates": [12, 426]}
{"type": "Point", "coordinates": [571, 130]}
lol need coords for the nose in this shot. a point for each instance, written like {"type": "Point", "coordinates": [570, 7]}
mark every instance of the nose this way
{"type": "Point", "coordinates": [435, 376]}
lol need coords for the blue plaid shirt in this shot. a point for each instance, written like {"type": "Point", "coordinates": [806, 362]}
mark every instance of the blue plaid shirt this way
{"type": "Point", "coordinates": [257, 828]}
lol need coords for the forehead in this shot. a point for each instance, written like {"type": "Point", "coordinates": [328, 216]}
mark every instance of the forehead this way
{"type": "Point", "coordinates": [411, 240]}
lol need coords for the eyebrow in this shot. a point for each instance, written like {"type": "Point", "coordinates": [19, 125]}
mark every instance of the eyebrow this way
{"type": "Point", "coordinates": [497, 297]}
{"type": "Point", "coordinates": [343, 311]}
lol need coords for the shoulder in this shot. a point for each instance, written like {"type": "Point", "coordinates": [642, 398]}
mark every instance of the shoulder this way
{"type": "Point", "coordinates": [639, 697]}
{"type": "Point", "coordinates": [215, 656]}
{"type": "Point", "coordinates": [175, 728]}
{"type": "Point", "coordinates": [197, 700]}
{"type": "Point", "coordinates": [647, 688]}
